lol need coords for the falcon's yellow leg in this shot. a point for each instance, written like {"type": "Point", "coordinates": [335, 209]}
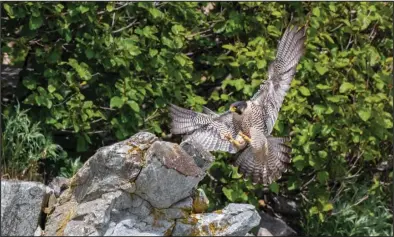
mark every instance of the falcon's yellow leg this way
{"type": "Point", "coordinates": [232, 140]}
{"type": "Point", "coordinates": [246, 138]}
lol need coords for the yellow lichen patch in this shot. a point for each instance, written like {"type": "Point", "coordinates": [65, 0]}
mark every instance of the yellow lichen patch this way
{"type": "Point", "coordinates": [74, 182]}
{"type": "Point", "coordinates": [199, 206]}
{"type": "Point", "coordinates": [218, 211]}
{"type": "Point", "coordinates": [195, 231]}
{"type": "Point", "coordinates": [191, 220]}
{"type": "Point", "coordinates": [215, 228]}
{"type": "Point", "coordinates": [64, 222]}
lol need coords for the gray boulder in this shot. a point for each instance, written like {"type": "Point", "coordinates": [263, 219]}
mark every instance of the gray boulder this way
{"type": "Point", "coordinates": [143, 186]}
{"type": "Point", "coordinates": [169, 176]}
{"type": "Point", "coordinates": [233, 220]}
{"type": "Point", "coordinates": [286, 206]}
{"type": "Point", "coordinates": [21, 205]}
{"type": "Point", "coordinates": [274, 226]}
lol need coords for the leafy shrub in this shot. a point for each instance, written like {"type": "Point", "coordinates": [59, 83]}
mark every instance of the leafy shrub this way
{"type": "Point", "coordinates": [24, 146]}
{"type": "Point", "coordinates": [358, 212]}
{"type": "Point", "coordinates": [102, 71]}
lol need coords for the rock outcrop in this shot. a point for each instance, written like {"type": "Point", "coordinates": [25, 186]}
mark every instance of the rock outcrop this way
{"type": "Point", "coordinates": [271, 226]}
{"type": "Point", "coordinates": [21, 205]}
{"type": "Point", "coordinates": [144, 186]}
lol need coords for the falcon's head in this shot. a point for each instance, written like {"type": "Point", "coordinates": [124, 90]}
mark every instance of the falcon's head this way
{"type": "Point", "coordinates": [238, 107]}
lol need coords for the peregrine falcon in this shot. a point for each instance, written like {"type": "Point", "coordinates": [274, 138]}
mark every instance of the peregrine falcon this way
{"type": "Point", "coordinates": [252, 121]}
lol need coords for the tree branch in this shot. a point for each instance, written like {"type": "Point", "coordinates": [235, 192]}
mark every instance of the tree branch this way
{"type": "Point", "coordinates": [126, 27]}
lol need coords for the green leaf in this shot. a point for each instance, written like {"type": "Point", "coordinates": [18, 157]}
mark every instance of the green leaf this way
{"type": "Point", "coordinates": [153, 52]}
{"type": "Point", "coordinates": [134, 106]}
{"type": "Point", "coordinates": [322, 176]}
{"type": "Point", "coordinates": [345, 87]}
{"type": "Point", "coordinates": [336, 98]}
{"type": "Point", "coordinates": [83, 9]}
{"type": "Point", "coordinates": [234, 173]}
{"type": "Point", "coordinates": [81, 144]}
{"type": "Point", "coordinates": [9, 10]}
{"type": "Point", "coordinates": [299, 162]}
{"type": "Point", "coordinates": [322, 154]}
{"type": "Point", "coordinates": [272, 30]}
{"type": "Point", "coordinates": [304, 91]}
{"type": "Point", "coordinates": [81, 69]}
{"type": "Point", "coordinates": [155, 13]}
{"type": "Point", "coordinates": [229, 193]}
{"type": "Point", "coordinates": [313, 210]}
{"type": "Point", "coordinates": [30, 84]}
{"type": "Point", "coordinates": [274, 187]}
{"type": "Point", "coordinates": [321, 69]}
{"type": "Point", "coordinates": [316, 11]}
{"type": "Point", "coordinates": [35, 22]}
{"type": "Point", "coordinates": [319, 109]}
{"type": "Point", "coordinates": [89, 53]}
{"type": "Point", "coordinates": [51, 88]}
{"type": "Point", "coordinates": [116, 101]}
{"type": "Point", "coordinates": [364, 114]}
{"type": "Point", "coordinates": [176, 29]}
{"type": "Point", "coordinates": [110, 7]}
{"type": "Point", "coordinates": [323, 87]}
{"type": "Point", "coordinates": [180, 59]}
{"type": "Point", "coordinates": [59, 7]}
{"type": "Point", "coordinates": [328, 207]}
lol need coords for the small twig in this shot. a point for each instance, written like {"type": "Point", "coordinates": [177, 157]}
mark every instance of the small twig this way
{"type": "Point", "coordinates": [113, 20]}
{"type": "Point", "coordinates": [68, 51]}
{"type": "Point", "coordinates": [197, 33]}
{"type": "Point", "coordinates": [36, 42]}
{"type": "Point", "coordinates": [304, 197]}
{"type": "Point", "coordinates": [97, 120]}
{"type": "Point", "coordinates": [361, 200]}
{"type": "Point", "coordinates": [153, 115]}
{"type": "Point", "coordinates": [126, 27]}
{"type": "Point", "coordinates": [96, 132]}
{"type": "Point", "coordinates": [211, 177]}
{"type": "Point", "coordinates": [64, 101]}
{"type": "Point", "coordinates": [96, 74]}
{"type": "Point", "coordinates": [355, 162]}
{"type": "Point", "coordinates": [106, 108]}
{"type": "Point", "coordinates": [336, 28]}
{"type": "Point", "coordinates": [341, 188]}
{"type": "Point", "coordinates": [310, 181]}
{"type": "Point", "coordinates": [350, 41]}
{"type": "Point", "coordinates": [115, 9]}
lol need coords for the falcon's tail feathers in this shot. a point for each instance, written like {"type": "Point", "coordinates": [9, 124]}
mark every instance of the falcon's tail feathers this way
{"type": "Point", "coordinates": [275, 164]}
{"type": "Point", "coordinates": [185, 121]}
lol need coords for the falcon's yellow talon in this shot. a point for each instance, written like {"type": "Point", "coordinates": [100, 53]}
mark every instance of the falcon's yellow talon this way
{"type": "Point", "coordinates": [246, 138]}
{"type": "Point", "coordinates": [232, 140]}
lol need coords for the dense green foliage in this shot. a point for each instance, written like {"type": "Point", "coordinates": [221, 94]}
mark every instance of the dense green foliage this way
{"type": "Point", "coordinates": [103, 71]}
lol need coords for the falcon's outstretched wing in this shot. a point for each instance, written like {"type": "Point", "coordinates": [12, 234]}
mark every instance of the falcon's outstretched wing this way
{"type": "Point", "coordinates": [281, 71]}
{"type": "Point", "coordinates": [207, 129]}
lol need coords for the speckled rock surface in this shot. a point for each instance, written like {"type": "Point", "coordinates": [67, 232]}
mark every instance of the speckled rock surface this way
{"type": "Point", "coordinates": [143, 186]}
{"type": "Point", "coordinates": [21, 205]}
{"type": "Point", "coordinates": [233, 220]}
